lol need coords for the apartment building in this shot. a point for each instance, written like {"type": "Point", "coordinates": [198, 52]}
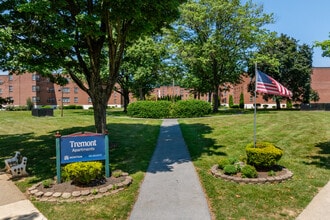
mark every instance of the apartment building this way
{"type": "Point", "coordinates": [42, 91]}
{"type": "Point", "coordinates": [320, 82]}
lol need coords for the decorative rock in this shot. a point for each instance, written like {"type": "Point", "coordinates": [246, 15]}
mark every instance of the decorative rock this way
{"type": "Point", "coordinates": [39, 194]}
{"type": "Point", "coordinates": [103, 189]}
{"type": "Point", "coordinates": [84, 195]}
{"type": "Point", "coordinates": [48, 194]}
{"type": "Point", "coordinates": [85, 192]}
{"type": "Point", "coordinates": [57, 194]}
{"type": "Point", "coordinates": [76, 193]}
{"type": "Point", "coordinates": [277, 179]}
{"type": "Point", "coordinates": [34, 191]}
{"type": "Point", "coordinates": [66, 195]}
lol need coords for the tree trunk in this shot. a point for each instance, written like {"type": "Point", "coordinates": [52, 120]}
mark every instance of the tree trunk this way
{"type": "Point", "coordinates": [278, 104]}
{"type": "Point", "coordinates": [126, 99]}
{"type": "Point", "coordinates": [215, 99]}
{"type": "Point", "coordinates": [100, 104]}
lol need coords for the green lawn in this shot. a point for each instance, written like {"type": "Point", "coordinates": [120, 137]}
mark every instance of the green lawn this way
{"type": "Point", "coordinates": [132, 144]}
{"type": "Point", "coordinates": [304, 137]}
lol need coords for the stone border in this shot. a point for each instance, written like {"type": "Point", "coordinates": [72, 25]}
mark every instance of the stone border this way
{"type": "Point", "coordinates": [79, 196]}
{"type": "Point", "coordinates": [271, 179]}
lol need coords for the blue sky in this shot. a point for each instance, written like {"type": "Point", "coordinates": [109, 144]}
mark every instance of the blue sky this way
{"type": "Point", "coordinates": [305, 20]}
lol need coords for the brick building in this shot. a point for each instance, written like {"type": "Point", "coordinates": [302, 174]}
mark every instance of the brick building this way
{"type": "Point", "coordinates": [320, 82]}
{"type": "Point", "coordinates": [43, 92]}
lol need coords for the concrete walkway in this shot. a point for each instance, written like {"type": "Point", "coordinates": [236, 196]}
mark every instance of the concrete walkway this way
{"type": "Point", "coordinates": [171, 189]}
{"type": "Point", "coordinates": [13, 203]}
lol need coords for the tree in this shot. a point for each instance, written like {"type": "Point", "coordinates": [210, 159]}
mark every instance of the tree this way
{"type": "Point", "coordinates": [85, 39]}
{"type": "Point", "coordinates": [241, 101]}
{"type": "Point", "coordinates": [289, 63]}
{"type": "Point", "coordinates": [214, 39]}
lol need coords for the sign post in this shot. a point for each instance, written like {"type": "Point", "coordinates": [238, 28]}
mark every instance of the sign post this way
{"type": "Point", "coordinates": [81, 147]}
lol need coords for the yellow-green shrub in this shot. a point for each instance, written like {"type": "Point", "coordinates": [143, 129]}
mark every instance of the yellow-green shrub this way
{"type": "Point", "coordinates": [82, 172]}
{"type": "Point", "coordinates": [263, 155]}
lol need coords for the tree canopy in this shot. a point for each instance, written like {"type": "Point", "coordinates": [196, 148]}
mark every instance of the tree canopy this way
{"type": "Point", "coordinates": [214, 39]}
{"type": "Point", "coordinates": [83, 38]}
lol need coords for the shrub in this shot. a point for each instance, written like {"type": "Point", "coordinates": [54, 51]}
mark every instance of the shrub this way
{"type": "Point", "coordinates": [82, 172]}
{"type": "Point", "coordinates": [190, 108]}
{"type": "Point", "coordinates": [46, 107]}
{"type": "Point", "coordinates": [231, 101]}
{"type": "Point", "coordinates": [167, 109]}
{"type": "Point", "coordinates": [149, 109]}
{"type": "Point", "coordinates": [230, 169]}
{"type": "Point", "coordinates": [241, 101]}
{"type": "Point", "coordinates": [263, 155]}
{"type": "Point", "coordinates": [73, 107]}
{"type": "Point", "coordinates": [223, 162]}
{"type": "Point", "coordinates": [249, 171]}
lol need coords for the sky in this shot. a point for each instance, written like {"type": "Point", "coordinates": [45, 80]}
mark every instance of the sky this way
{"type": "Point", "coordinates": [305, 20]}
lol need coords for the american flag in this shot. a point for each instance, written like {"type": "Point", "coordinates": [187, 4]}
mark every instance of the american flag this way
{"type": "Point", "coordinates": [268, 85]}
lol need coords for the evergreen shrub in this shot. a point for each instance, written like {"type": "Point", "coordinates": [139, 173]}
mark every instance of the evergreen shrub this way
{"type": "Point", "coordinates": [83, 172]}
{"type": "Point", "coordinates": [223, 162]}
{"type": "Point", "coordinates": [263, 155]}
{"type": "Point", "coordinates": [190, 108]}
{"type": "Point", "coordinates": [168, 109]}
{"type": "Point", "coordinates": [249, 171]}
{"type": "Point", "coordinates": [230, 169]}
{"type": "Point", "coordinates": [149, 109]}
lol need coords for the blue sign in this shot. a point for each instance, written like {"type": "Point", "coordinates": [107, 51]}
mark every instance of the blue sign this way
{"type": "Point", "coordinates": [83, 147]}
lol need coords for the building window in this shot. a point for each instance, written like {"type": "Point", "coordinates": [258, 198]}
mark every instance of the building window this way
{"type": "Point", "coordinates": [35, 77]}
{"type": "Point", "coordinates": [0, 91]}
{"type": "Point", "coordinates": [35, 88]}
{"type": "Point", "coordinates": [75, 90]}
{"type": "Point", "coordinates": [66, 90]}
{"type": "Point", "coordinates": [75, 99]}
{"type": "Point", "coordinates": [51, 100]}
{"type": "Point", "coordinates": [51, 90]}
{"type": "Point", "coordinates": [66, 99]}
{"type": "Point", "coordinates": [1, 82]}
{"type": "Point", "coordinates": [35, 99]}
{"type": "Point", "coordinates": [251, 98]}
{"type": "Point", "coordinates": [11, 89]}
{"type": "Point", "coordinates": [11, 78]}
{"type": "Point", "coordinates": [89, 100]}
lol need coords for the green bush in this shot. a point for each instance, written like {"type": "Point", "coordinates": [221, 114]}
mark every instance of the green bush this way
{"type": "Point", "coordinates": [230, 169]}
{"type": "Point", "coordinates": [82, 172]}
{"type": "Point", "coordinates": [190, 108]}
{"type": "Point", "coordinates": [249, 171]}
{"type": "Point", "coordinates": [72, 107]}
{"type": "Point", "coordinates": [223, 162]}
{"type": "Point", "coordinates": [167, 109]}
{"type": "Point", "coordinates": [149, 109]}
{"type": "Point", "coordinates": [263, 155]}
{"type": "Point", "coordinates": [231, 101]}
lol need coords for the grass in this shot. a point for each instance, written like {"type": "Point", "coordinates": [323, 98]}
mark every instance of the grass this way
{"type": "Point", "coordinates": [132, 143]}
{"type": "Point", "coordinates": [305, 139]}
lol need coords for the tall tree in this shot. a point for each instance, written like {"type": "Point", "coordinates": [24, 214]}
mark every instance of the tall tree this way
{"type": "Point", "coordinates": [288, 62]}
{"type": "Point", "coordinates": [214, 39]}
{"type": "Point", "coordinates": [83, 38]}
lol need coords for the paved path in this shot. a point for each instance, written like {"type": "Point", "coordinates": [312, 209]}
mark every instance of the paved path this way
{"type": "Point", "coordinates": [13, 203]}
{"type": "Point", "coordinates": [171, 189]}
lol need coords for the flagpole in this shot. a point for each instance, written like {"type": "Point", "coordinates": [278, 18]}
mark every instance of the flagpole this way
{"type": "Point", "coordinates": [255, 107]}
